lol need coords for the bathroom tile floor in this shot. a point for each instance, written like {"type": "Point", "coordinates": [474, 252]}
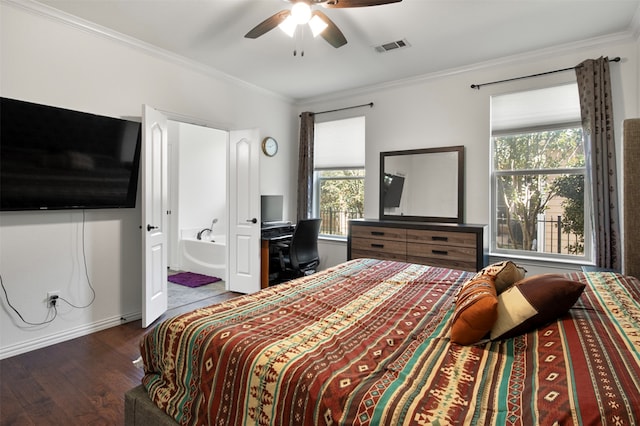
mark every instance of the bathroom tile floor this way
{"type": "Point", "coordinates": [180, 295]}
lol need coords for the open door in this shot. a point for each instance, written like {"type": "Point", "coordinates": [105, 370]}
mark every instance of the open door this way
{"type": "Point", "coordinates": [154, 218]}
{"type": "Point", "coordinates": [244, 211]}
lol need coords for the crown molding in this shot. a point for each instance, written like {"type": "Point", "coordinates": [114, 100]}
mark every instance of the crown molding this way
{"type": "Point", "coordinates": [629, 35]}
{"type": "Point", "coordinates": [75, 22]}
{"type": "Point", "coordinates": [32, 6]}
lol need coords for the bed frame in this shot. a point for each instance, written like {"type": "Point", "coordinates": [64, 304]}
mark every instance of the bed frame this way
{"type": "Point", "coordinates": [140, 411]}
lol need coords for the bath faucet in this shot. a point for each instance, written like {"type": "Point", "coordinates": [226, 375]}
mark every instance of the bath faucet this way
{"type": "Point", "coordinates": [213, 222]}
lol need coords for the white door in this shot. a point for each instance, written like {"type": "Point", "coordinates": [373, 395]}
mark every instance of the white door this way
{"type": "Point", "coordinates": [154, 218]}
{"type": "Point", "coordinates": [244, 211]}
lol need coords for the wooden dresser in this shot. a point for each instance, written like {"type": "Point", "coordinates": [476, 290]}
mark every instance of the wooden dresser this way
{"type": "Point", "coordinates": [456, 246]}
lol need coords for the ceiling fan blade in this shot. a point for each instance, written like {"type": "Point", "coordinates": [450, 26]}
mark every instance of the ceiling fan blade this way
{"type": "Point", "coordinates": [332, 33]}
{"type": "Point", "coordinates": [268, 24]}
{"type": "Point", "coordinates": [334, 4]}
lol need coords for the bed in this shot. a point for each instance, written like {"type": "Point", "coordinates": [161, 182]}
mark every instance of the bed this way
{"type": "Point", "coordinates": [369, 342]}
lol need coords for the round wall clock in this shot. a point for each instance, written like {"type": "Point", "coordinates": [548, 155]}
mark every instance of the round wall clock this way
{"type": "Point", "coordinates": [270, 146]}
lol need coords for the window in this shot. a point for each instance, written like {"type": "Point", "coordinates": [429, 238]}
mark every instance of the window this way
{"type": "Point", "coordinates": [339, 174]}
{"type": "Point", "coordinates": [539, 184]}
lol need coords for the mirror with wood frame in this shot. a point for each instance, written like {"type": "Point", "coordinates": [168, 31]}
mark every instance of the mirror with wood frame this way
{"type": "Point", "coordinates": [423, 185]}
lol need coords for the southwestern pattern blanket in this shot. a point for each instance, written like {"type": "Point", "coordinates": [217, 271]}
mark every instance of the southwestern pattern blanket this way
{"type": "Point", "coordinates": [367, 343]}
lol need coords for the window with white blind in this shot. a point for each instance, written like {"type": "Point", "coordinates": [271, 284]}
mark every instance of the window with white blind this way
{"type": "Point", "coordinates": [339, 152]}
{"type": "Point", "coordinates": [539, 185]}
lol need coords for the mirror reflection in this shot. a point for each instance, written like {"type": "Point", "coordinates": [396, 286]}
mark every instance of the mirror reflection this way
{"type": "Point", "coordinates": [422, 184]}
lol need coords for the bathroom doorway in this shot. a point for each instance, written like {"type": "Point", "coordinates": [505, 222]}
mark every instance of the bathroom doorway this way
{"type": "Point", "coordinates": [198, 207]}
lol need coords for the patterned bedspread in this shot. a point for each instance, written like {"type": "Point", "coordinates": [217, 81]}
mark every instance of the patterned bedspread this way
{"type": "Point", "coordinates": [366, 343]}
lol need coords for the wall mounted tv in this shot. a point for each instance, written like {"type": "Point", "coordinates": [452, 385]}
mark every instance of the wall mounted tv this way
{"type": "Point", "coordinates": [53, 158]}
{"type": "Point", "coordinates": [393, 185]}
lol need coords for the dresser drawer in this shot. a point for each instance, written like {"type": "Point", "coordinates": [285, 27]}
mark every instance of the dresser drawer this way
{"type": "Point", "coordinates": [379, 246]}
{"type": "Point", "coordinates": [359, 254]}
{"type": "Point", "coordinates": [441, 238]}
{"type": "Point", "coordinates": [445, 263]}
{"type": "Point", "coordinates": [442, 252]}
{"type": "Point", "coordinates": [378, 233]}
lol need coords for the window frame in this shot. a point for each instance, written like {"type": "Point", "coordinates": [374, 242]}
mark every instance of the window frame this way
{"type": "Point", "coordinates": [337, 133]}
{"type": "Point", "coordinates": [317, 181]}
{"type": "Point", "coordinates": [494, 250]}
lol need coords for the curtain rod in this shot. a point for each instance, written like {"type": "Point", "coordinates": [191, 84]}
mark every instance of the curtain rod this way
{"type": "Point", "coordinates": [477, 86]}
{"type": "Point", "coordinates": [370, 104]}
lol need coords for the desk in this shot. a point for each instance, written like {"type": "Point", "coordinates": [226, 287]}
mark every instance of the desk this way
{"type": "Point", "coordinates": [267, 251]}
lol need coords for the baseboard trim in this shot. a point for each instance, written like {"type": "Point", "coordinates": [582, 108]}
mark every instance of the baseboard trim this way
{"type": "Point", "coordinates": [31, 345]}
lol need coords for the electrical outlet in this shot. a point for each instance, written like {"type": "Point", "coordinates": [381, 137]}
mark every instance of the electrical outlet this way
{"type": "Point", "coordinates": [52, 296]}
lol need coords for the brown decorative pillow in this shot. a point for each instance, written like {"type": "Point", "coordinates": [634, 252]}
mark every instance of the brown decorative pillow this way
{"type": "Point", "coordinates": [475, 312]}
{"type": "Point", "coordinates": [505, 273]}
{"type": "Point", "coordinates": [534, 302]}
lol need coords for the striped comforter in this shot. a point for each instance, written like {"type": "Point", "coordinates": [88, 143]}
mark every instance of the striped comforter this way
{"type": "Point", "coordinates": [366, 343]}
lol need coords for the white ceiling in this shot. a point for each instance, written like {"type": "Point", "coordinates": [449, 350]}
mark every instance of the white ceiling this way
{"type": "Point", "coordinates": [443, 35]}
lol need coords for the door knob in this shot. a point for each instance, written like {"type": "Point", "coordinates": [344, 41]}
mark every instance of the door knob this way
{"type": "Point", "coordinates": [254, 220]}
{"type": "Point", "coordinates": [150, 227]}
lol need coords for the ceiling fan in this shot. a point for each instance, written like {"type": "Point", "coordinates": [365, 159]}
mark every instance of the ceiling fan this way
{"type": "Point", "coordinates": [319, 23]}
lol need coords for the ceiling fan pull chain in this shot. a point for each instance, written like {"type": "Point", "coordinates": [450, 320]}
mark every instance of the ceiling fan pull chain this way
{"type": "Point", "coordinates": [300, 39]}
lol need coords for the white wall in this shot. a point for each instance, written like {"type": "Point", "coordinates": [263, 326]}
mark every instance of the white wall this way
{"type": "Point", "coordinates": [202, 177]}
{"type": "Point", "coordinates": [54, 62]}
{"type": "Point", "coordinates": [442, 110]}
{"type": "Point", "coordinates": [197, 182]}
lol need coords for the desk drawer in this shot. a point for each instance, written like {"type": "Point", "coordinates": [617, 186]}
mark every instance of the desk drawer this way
{"type": "Point", "coordinates": [441, 238]}
{"type": "Point", "coordinates": [378, 233]}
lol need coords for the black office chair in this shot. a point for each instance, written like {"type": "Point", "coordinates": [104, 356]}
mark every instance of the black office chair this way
{"type": "Point", "coordinates": [300, 257]}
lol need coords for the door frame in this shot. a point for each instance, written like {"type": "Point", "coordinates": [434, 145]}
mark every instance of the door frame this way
{"type": "Point", "coordinates": [176, 117]}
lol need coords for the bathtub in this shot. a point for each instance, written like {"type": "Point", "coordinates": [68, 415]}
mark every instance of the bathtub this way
{"type": "Point", "coordinates": [204, 256]}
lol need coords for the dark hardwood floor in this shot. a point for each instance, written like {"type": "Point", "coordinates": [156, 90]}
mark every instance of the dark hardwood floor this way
{"type": "Point", "coordinates": [78, 382]}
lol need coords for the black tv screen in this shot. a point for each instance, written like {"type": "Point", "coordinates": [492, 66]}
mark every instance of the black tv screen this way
{"type": "Point", "coordinates": [393, 185]}
{"type": "Point", "coordinates": [53, 158]}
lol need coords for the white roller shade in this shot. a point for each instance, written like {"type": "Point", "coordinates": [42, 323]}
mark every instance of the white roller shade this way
{"type": "Point", "coordinates": [339, 144]}
{"type": "Point", "coordinates": [552, 105]}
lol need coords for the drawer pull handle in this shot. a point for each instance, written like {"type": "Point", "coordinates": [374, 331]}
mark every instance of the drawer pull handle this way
{"type": "Point", "coordinates": [439, 239]}
{"type": "Point", "coordinates": [377, 233]}
{"type": "Point", "coordinates": [442, 252]}
{"type": "Point", "coordinates": [377, 245]}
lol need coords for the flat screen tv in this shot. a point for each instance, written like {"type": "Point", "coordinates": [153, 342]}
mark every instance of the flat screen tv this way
{"type": "Point", "coordinates": [53, 158]}
{"type": "Point", "coordinates": [392, 194]}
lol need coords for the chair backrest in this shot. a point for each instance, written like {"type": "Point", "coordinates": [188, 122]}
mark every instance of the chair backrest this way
{"type": "Point", "coordinates": [304, 243]}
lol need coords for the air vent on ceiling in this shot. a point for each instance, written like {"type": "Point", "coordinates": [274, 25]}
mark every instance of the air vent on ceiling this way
{"type": "Point", "coordinates": [400, 44]}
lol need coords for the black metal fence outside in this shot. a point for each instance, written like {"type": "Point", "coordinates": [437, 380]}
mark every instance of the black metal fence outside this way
{"type": "Point", "coordinates": [335, 221]}
{"type": "Point", "coordinates": [554, 238]}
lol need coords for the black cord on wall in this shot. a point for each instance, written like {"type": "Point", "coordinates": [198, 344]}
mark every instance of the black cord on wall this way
{"type": "Point", "coordinates": [47, 319]}
{"type": "Point", "coordinates": [53, 306]}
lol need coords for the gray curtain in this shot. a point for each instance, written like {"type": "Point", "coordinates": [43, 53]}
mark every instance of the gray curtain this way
{"type": "Point", "coordinates": [305, 165]}
{"type": "Point", "coordinates": [594, 87]}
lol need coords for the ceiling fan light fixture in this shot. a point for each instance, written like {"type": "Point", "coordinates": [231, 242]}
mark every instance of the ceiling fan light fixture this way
{"type": "Point", "coordinates": [301, 13]}
{"type": "Point", "coordinates": [317, 25]}
{"type": "Point", "coordinates": [288, 26]}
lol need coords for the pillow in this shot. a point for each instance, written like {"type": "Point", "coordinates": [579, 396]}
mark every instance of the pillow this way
{"type": "Point", "coordinates": [475, 312]}
{"type": "Point", "coordinates": [534, 302]}
{"type": "Point", "coordinates": [505, 274]}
